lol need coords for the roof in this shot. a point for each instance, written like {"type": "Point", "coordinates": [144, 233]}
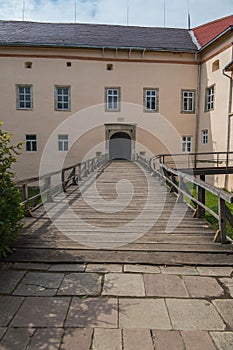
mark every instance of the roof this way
{"type": "Point", "coordinates": [209, 31]}
{"type": "Point", "coordinates": [94, 35]}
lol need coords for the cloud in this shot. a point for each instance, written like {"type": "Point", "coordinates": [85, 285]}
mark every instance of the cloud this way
{"type": "Point", "coordinates": [142, 12]}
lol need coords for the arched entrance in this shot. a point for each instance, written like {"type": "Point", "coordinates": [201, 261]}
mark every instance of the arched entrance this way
{"type": "Point", "coordinates": [120, 146]}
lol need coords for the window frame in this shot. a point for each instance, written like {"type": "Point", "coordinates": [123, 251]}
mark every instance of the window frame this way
{"type": "Point", "coordinates": [56, 108]}
{"type": "Point", "coordinates": [186, 143]}
{"type": "Point", "coordinates": [207, 102]}
{"type": "Point", "coordinates": [63, 142]}
{"type": "Point", "coordinates": [193, 91]}
{"type": "Point", "coordinates": [151, 110]}
{"type": "Point", "coordinates": [205, 136]}
{"type": "Point", "coordinates": [107, 109]}
{"type": "Point", "coordinates": [18, 101]}
{"type": "Point", "coordinates": [31, 142]}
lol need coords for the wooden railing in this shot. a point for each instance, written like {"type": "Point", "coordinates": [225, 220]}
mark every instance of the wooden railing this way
{"type": "Point", "coordinates": [178, 182]}
{"type": "Point", "coordinates": [195, 160]}
{"type": "Point", "coordinates": [56, 182]}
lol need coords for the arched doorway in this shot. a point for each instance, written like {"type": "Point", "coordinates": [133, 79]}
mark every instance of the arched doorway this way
{"type": "Point", "coordinates": [120, 146]}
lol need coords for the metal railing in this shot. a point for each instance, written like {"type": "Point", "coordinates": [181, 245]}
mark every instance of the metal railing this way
{"type": "Point", "coordinates": [178, 182]}
{"type": "Point", "coordinates": [62, 180]}
{"type": "Point", "coordinates": [195, 160]}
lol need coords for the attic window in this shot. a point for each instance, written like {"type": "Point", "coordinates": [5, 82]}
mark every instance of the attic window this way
{"type": "Point", "coordinates": [215, 66]}
{"type": "Point", "coordinates": [109, 67]}
{"type": "Point", "coordinates": [28, 65]}
{"type": "Point", "coordinates": [68, 64]}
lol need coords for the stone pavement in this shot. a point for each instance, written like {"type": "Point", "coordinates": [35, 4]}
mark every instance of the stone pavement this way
{"type": "Point", "coordinates": [115, 307]}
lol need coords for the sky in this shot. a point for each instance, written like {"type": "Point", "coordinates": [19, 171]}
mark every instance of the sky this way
{"type": "Point", "coordinates": [141, 12]}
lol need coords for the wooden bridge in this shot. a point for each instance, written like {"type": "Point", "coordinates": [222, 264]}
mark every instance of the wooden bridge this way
{"type": "Point", "coordinates": [119, 213]}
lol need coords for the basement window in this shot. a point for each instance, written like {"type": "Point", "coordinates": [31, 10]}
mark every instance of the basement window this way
{"type": "Point", "coordinates": [28, 65]}
{"type": "Point", "coordinates": [109, 66]}
{"type": "Point", "coordinates": [68, 64]}
{"type": "Point", "coordinates": [215, 66]}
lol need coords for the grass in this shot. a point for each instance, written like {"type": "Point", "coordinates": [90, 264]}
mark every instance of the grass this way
{"type": "Point", "coordinates": [212, 203]}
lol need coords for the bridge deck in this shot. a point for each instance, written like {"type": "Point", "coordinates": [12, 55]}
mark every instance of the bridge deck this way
{"type": "Point", "coordinates": [147, 226]}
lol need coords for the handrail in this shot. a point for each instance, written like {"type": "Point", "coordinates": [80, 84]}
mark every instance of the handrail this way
{"type": "Point", "coordinates": [76, 173]}
{"type": "Point", "coordinates": [176, 181]}
{"type": "Point", "coordinates": [194, 158]}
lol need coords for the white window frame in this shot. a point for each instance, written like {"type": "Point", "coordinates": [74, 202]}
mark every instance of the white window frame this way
{"type": "Point", "coordinates": [210, 92]}
{"type": "Point", "coordinates": [24, 97]}
{"type": "Point", "coordinates": [31, 142]}
{"type": "Point", "coordinates": [205, 136]}
{"type": "Point", "coordinates": [62, 100]}
{"type": "Point", "coordinates": [63, 142]}
{"type": "Point", "coordinates": [187, 143]}
{"type": "Point", "coordinates": [151, 99]}
{"type": "Point", "coordinates": [188, 101]}
{"type": "Point", "coordinates": [112, 98]}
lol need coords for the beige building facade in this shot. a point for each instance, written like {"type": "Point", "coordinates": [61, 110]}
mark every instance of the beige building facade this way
{"type": "Point", "coordinates": [157, 90]}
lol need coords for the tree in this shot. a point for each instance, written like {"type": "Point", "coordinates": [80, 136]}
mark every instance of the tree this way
{"type": "Point", "coordinates": [11, 212]}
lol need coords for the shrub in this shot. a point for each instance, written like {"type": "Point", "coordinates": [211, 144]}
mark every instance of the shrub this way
{"type": "Point", "coordinates": [11, 211]}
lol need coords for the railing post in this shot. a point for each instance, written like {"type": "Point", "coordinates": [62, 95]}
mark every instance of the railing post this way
{"type": "Point", "coordinates": [74, 181]}
{"type": "Point", "coordinates": [180, 198]}
{"type": "Point", "coordinates": [25, 195]}
{"type": "Point", "coordinates": [47, 187]}
{"type": "Point", "coordinates": [222, 219]}
{"type": "Point", "coordinates": [201, 198]}
{"type": "Point", "coordinates": [63, 180]}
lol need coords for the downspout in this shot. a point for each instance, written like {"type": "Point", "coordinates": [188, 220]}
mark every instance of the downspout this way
{"type": "Point", "coordinates": [197, 113]}
{"type": "Point", "coordinates": [226, 180]}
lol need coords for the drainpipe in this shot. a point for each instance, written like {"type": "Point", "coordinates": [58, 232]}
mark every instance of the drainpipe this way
{"type": "Point", "coordinates": [197, 113]}
{"type": "Point", "coordinates": [226, 180]}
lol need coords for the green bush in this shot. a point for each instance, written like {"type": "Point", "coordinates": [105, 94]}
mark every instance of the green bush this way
{"type": "Point", "coordinates": [11, 211]}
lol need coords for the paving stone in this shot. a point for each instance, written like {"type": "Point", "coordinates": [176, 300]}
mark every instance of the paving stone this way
{"type": "Point", "coordinates": [202, 287]}
{"type": "Point", "coordinates": [81, 284]}
{"type": "Point", "coordinates": [8, 307]}
{"type": "Point", "coordinates": [93, 312]}
{"type": "Point", "coordinates": [137, 339]}
{"type": "Point", "coordinates": [42, 312]}
{"type": "Point", "coordinates": [104, 268]}
{"type": "Point", "coordinates": [143, 313]}
{"type": "Point", "coordinates": [9, 279]}
{"type": "Point", "coordinates": [223, 340]}
{"type": "Point", "coordinates": [225, 308]}
{"type": "Point", "coordinates": [123, 284]}
{"type": "Point", "coordinates": [228, 282]}
{"type": "Point", "coordinates": [105, 339]}
{"type": "Point", "coordinates": [32, 266]}
{"type": "Point", "coordinates": [74, 336]}
{"type": "Point", "coordinates": [49, 339]}
{"type": "Point", "coordinates": [179, 270]}
{"type": "Point", "coordinates": [164, 286]}
{"type": "Point", "coordinates": [142, 268]}
{"type": "Point", "coordinates": [168, 340]}
{"type": "Point", "coordinates": [39, 284]}
{"type": "Point", "coordinates": [16, 339]}
{"type": "Point", "coordinates": [67, 267]}
{"type": "Point", "coordinates": [2, 331]}
{"type": "Point", "coordinates": [196, 340]}
{"type": "Point", "coordinates": [215, 271]}
{"type": "Point", "coordinates": [194, 315]}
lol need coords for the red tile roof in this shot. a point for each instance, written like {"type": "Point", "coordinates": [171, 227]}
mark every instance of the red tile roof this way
{"type": "Point", "coordinates": [207, 32]}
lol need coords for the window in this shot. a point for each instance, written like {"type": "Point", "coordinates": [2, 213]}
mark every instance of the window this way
{"type": "Point", "coordinates": [63, 143]}
{"type": "Point", "coordinates": [112, 99]}
{"type": "Point", "coordinates": [62, 98]}
{"type": "Point", "coordinates": [151, 100]}
{"type": "Point", "coordinates": [188, 101]}
{"type": "Point", "coordinates": [28, 65]}
{"type": "Point", "coordinates": [205, 136]}
{"type": "Point", "coordinates": [186, 143]}
{"type": "Point", "coordinates": [24, 96]}
{"type": "Point", "coordinates": [31, 143]}
{"type": "Point", "coordinates": [215, 66]}
{"type": "Point", "coordinates": [209, 98]}
{"type": "Point", "coordinates": [68, 64]}
{"type": "Point", "coordinates": [109, 66]}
